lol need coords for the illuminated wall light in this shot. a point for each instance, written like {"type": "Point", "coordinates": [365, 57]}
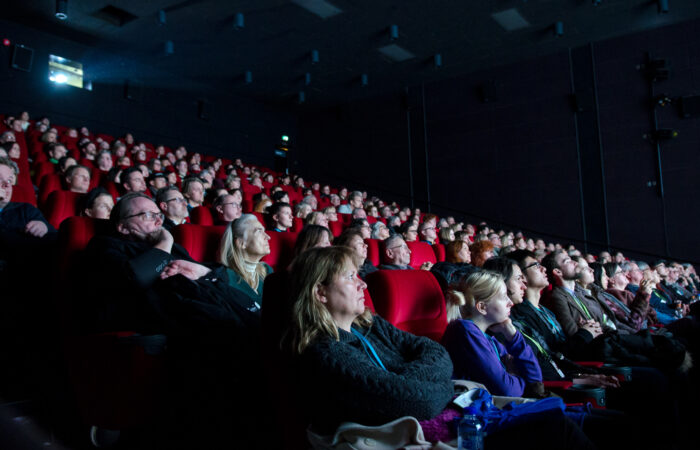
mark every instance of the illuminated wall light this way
{"type": "Point", "coordinates": [394, 32]}
{"type": "Point", "coordinates": [59, 78]}
{"type": "Point", "coordinates": [239, 21]}
{"type": "Point", "coordinates": [663, 6]}
{"type": "Point", "coordinates": [61, 9]}
{"type": "Point", "coordinates": [162, 20]}
{"type": "Point", "coordinates": [314, 57]}
{"type": "Point", "coordinates": [559, 29]}
{"type": "Point", "coordinates": [438, 60]}
{"type": "Point", "coordinates": [364, 80]}
{"type": "Point", "coordinates": [248, 76]}
{"type": "Point", "coordinates": [302, 97]}
{"type": "Point", "coordinates": [169, 47]}
{"type": "Point", "coordinates": [307, 79]}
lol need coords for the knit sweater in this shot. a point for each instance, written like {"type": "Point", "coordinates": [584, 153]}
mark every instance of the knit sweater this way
{"type": "Point", "coordinates": [342, 383]}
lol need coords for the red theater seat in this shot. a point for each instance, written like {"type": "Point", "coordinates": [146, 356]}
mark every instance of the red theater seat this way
{"type": "Point", "coordinates": [49, 183]}
{"type": "Point", "coordinates": [374, 251]}
{"type": "Point", "coordinates": [411, 300]}
{"type": "Point", "coordinates": [201, 215]}
{"type": "Point", "coordinates": [439, 250]}
{"type": "Point", "coordinates": [336, 227]}
{"type": "Point", "coordinates": [298, 224]}
{"type": "Point", "coordinates": [420, 253]}
{"type": "Point", "coordinates": [281, 249]}
{"type": "Point", "coordinates": [60, 205]}
{"type": "Point", "coordinates": [200, 241]}
{"type": "Point", "coordinates": [24, 194]}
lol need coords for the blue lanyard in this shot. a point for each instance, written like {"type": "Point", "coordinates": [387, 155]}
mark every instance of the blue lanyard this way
{"type": "Point", "coordinates": [366, 345]}
{"type": "Point", "coordinates": [495, 349]}
{"type": "Point", "coordinates": [545, 314]}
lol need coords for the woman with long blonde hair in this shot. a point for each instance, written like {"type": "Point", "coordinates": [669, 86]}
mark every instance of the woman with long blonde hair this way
{"type": "Point", "coordinates": [242, 247]}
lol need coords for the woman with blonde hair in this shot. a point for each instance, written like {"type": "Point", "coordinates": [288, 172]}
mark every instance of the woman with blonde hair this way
{"type": "Point", "coordinates": [484, 305]}
{"type": "Point", "coordinates": [353, 366]}
{"type": "Point", "coordinates": [242, 246]}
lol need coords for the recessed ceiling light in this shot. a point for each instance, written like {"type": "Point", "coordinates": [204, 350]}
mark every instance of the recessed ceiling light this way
{"type": "Point", "coordinates": [510, 19]}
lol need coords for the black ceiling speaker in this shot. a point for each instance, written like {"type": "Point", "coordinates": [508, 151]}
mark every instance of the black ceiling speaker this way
{"type": "Point", "coordinates": [22, 58]}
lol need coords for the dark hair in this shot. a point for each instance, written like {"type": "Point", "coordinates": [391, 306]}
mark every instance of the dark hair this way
{"type": "Point", "coordinates": [88, 200]}
{"type": "Point", "coordinates": [277, 196]}
{"type": "Point", "coordinates": [598, 270]}
{"type": "Point", "coordinates": [519, 256]}
{"type": "Point", "coordinates": [162, 193]}
{"type": "Point", "coordinates": [549, 262]}
{"type": "Point", "coordinates": [501, 265]}
{"type": "Point", "coordinates": [277, 207]}
{"type": "Point", "coordinates": [309, 236]}
{"type": "Point", "coordinates": [610, 268]}
{"type": "Point", "coordinates": [61, 161]}
{"type": "Point", "coordinates": [403, 229]}
{"type": "Point", "coordinates": [126, 173]}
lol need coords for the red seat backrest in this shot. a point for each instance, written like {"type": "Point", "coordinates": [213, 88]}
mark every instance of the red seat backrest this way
{"type": "Point", "coordinates": [201, 215]}
{"type": "Point", "coordinates": [200, 241]}
{"type": "Point", "coordinates": [345, 219]}
{"type": "Point", "coordinates": [298, 224]}
{"type": "Point", "coordinates": [23, 194]}
{"type": "Point", "coordinates": [336, 227]}
{"type": "Point", "coordinates": [49, 183]}
{"type": "Point", "coordinates": [368, 302]}
{"type": "Point", "coordinates": [411, 300]}
{"type": "Point", "coordinates": [420, 253]}
{"type": "Point", "coordinates": [439, 250]}
{"type": "Point", "coordinates": [373, 251]}
{"type": "Point", "coordinates": [61, 205]}
{"type": "Point", "coordinates": [371, 220]}
{"type": "Point", "coordinates": [281, 249]}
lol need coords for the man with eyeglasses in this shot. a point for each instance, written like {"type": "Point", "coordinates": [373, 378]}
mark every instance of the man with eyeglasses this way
{"type": "Point", "coordinates": [226, 209]}
{"type": "Point", "coordinates": [397, 256]}
{"type": "Point", "coordinates": [127, 263]}
{"type": "Point", "coordinates": [173, 206]}
{"type": "Point", "coordinates": [540, 319]}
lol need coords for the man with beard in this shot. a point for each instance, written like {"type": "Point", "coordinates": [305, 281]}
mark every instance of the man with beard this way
{"type": "Point", "coordinates": [128, 261]}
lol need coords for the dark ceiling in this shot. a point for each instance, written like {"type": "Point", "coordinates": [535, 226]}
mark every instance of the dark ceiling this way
{"type": "Point", "coordinates": [276, 42]}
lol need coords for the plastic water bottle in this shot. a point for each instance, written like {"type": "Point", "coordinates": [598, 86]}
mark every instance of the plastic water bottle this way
{"type": "Point", "coordinates": [470, 433]}
{"type": "Point", "coordinates": [679, 310]}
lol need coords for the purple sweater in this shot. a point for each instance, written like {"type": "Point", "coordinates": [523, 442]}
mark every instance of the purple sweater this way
{"type": "Point", "coordinates": [475, 358]}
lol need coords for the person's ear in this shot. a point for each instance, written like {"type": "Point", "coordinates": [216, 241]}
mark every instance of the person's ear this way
{"type": "Point", "coordinates": [481, 307]}
{"type": "Point", "coordinates": [320, 293]}
{"type": "Point", "coordinates": [87, 212]}
{"type": "Point", "coordinates": [557, 272]}
{"type": "Point", "coordinates": [122, 229]}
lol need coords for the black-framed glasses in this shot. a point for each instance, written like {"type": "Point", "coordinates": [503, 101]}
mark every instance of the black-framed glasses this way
{"type": "Point", "coordinates": [176, 199]}
{"type": "Point", "coordinates": [148, 216]}
{"type": "Point", "coordinates": [535, 264]}
{"type": "Point", "coordinates": [237, 205]}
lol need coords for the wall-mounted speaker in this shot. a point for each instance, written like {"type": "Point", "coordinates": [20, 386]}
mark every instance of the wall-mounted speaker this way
{"type": "Point", "coordinates": [22, 58]}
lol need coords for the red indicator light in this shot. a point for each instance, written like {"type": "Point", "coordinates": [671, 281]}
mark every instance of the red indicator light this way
{"type": "Point", "coordinates": [6, 42]}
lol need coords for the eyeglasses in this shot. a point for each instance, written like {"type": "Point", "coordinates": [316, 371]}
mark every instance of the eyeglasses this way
{"type": "Point", "coordinates": [6, 183]}
{"type": "Point", "coordinates": [148, 216]}
{"type": "Point", "coordinates": [176, 199]}
{"type": "Point", "coordinates": [235, 205]}
{"type": "Point", "coordinates": [535, 264]}
{"type": "Point", "coordinates": [399, 246]}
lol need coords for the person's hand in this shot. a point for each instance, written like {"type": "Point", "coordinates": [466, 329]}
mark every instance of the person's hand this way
{"type": "Point", "coordinates": [191, 270]}
{"type": "Point", "coordinates": [426, 265]}
{"type": "Point", "coordinates": [36, 228]}
{"type": "Point", "coordinates": [506, 328]}
{"type": "Point", "coordinates": [592, 327]}
{"type": "Point", "coordinates": [600, 380]}
{"type": "Point", "coordinates": [646, 286]}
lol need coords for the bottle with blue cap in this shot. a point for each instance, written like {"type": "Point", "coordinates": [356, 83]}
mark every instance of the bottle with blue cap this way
{"type": "Point", "coordinates": [470, 432]}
